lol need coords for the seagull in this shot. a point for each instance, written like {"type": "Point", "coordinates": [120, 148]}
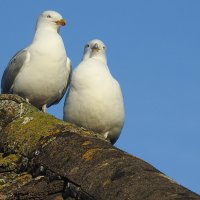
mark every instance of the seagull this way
{"type": "Point", "coordinates": [94, 100]}
{"type": "Point", "coordinates": [41, 72]}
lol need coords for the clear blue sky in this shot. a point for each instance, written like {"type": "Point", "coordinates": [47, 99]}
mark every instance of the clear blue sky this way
{"type": "Point", "coordinates": [153, 51]}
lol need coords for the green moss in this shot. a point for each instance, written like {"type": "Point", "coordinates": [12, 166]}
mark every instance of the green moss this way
{"type": "Point", "coordinates": [23, 134]}
{"type": "Point", "coordinates": [89, 154]}
{"type": "Point", "coordinates": [8, 163]}
{"type": "Point", "coordinates": [12, 181]}
{"type": "Point", "coordinates": [2, 181]}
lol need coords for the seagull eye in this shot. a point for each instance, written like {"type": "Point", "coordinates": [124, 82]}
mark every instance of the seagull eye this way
{"type": "Point", "coordinates": [104, 47]}
{"type": "Point", "coordinates": [48, 16]}
{"type": "Point", "coordinates": [87, 45]}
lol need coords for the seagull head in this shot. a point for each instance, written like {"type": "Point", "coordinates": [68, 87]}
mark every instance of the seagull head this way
{"type": "Point", "coordinates": [50, 20]}
{"type": "Point", "coordinates": [94, 48]}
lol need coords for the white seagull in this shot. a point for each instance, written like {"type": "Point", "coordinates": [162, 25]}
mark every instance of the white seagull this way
{"type": "Point", "coordinates": [94, 100]}
{"type": "Point", "coordinates": [41, 72]}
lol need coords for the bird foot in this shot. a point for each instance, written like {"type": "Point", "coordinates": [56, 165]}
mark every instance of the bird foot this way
{"type": "Point", "coordinates": [21, 107]}
{"type": "Point", "coordinates": [106, 135]}
{"type": "Point", "coordinates": [27, 100]}
{"type": "Point", "coordinates": [44, 108]}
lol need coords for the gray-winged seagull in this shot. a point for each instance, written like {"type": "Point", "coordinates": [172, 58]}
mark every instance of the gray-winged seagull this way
{"type": "Point", "coordinates": [41, 72]}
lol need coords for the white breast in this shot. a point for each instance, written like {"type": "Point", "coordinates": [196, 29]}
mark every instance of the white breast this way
{"type": "Point", "coordinates": [95, 100]}
{"type": "Point", "coordinates": [45, 74]}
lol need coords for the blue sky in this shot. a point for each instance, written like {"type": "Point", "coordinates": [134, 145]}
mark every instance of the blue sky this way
{"type": "Point", "coordinates": [153, 50]}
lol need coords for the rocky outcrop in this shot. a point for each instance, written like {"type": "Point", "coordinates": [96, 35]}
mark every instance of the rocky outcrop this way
{"type": "Point", "coordinates": [42, 157]}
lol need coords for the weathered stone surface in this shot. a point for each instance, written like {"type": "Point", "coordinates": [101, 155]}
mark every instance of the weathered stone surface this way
{"type": "Point", "coordinates": [40, 188]}
{"type": "Point", "coordinates": [42, 157]}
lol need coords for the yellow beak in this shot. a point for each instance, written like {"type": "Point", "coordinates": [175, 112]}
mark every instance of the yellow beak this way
{"type": "Point", "coordinates": [61, 22]}
{"type": "Point", "coordinates": [95, 47]}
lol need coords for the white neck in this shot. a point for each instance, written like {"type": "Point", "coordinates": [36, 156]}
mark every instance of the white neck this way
{"type": "Point", "coordinates": [101, 57]}
{"type": "Point", "coordinates": [43, 26]}
{"type": "Point", "coordinates": [47, 41]}
{"type": "Point", "coordinates": [43, 33]}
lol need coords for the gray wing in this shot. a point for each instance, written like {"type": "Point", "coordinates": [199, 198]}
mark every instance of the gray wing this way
{"type": "Point", "coordinates": [12, 70]}
{"type": "Point", "coordinates": [69, 68]}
